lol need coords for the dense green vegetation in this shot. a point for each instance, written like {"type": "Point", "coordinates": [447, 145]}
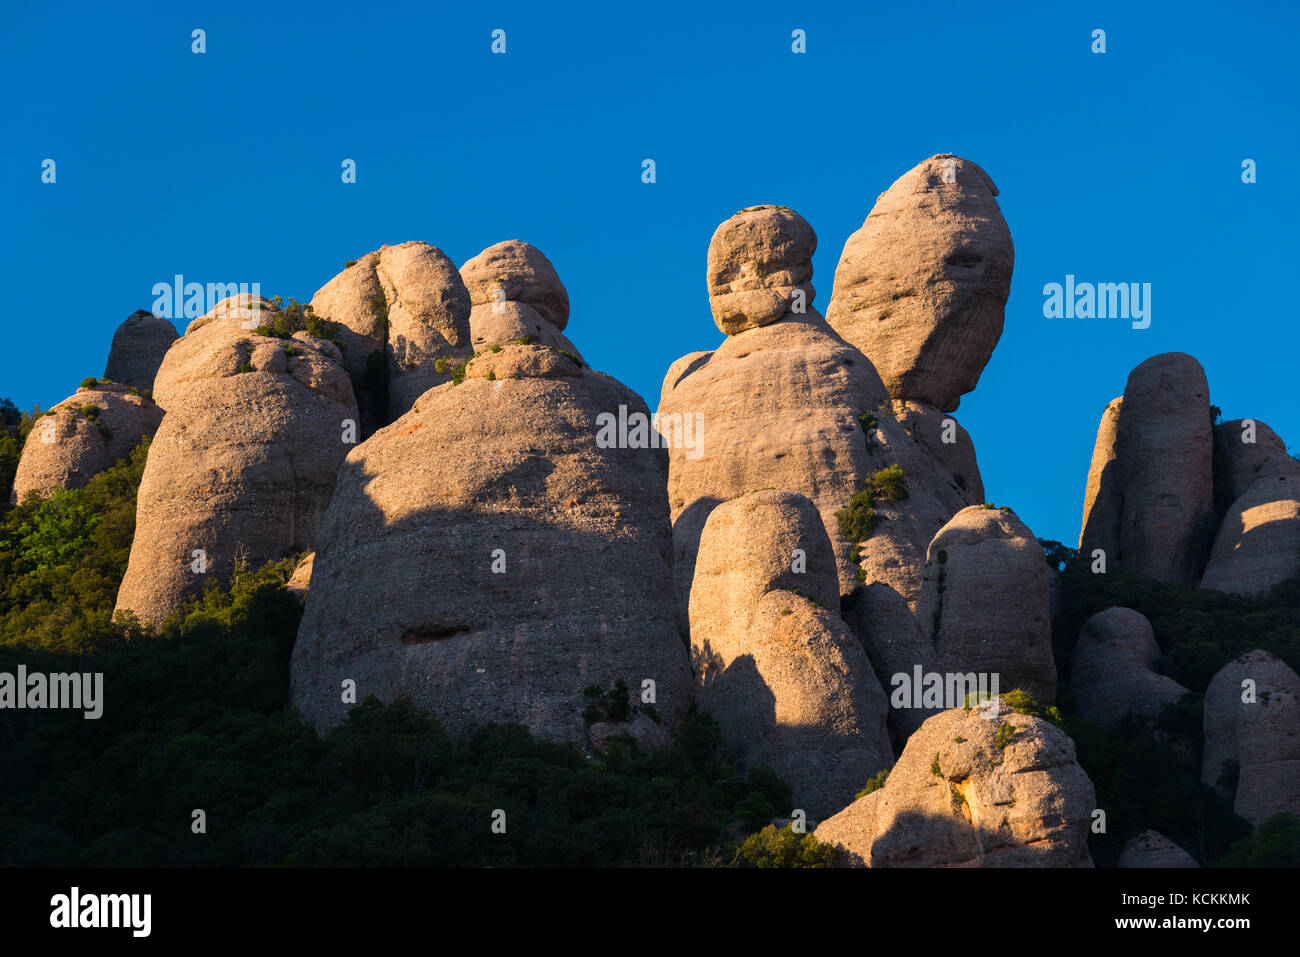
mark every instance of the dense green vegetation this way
{"type": "Point", "coordinates": [197, 716]}
{"type": "Point", "coordinates": [1147, 774]}
{"type": "Point", "coordinates": [298, 317]}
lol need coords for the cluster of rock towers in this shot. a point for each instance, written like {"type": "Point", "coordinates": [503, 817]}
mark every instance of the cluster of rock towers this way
{"type": "Point", "coordinates": [476, 549]}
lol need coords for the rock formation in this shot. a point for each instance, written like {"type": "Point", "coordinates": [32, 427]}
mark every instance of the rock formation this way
{"type": "Point", "coordinates": [516, 295]}
{"type": "Point", "coordinates": [1158, 512]}
{"type": "Point", "coordinates": [943, 437]}
{"type": "Point", "coordinates": [921, 287]}
{"type": "Point", "coordinates": [760, 268]}
{"type": "Point", "coordinates": [896, 644]}
{"type": "Point", "coordinates": [985, 601]}
{"type": "Point", "coordinates": [980, 788]}
{"type": "Point", "coordinates": [139, 345]}
{"type": "Point", "coordinates": [1252, 720]}
{"type": "Point", "coordinates": [1103, 499]}
{"type": "Point", "coordinates": [244, 462]}
{"type": "Point", "coordinates": [402, 308]}
{"type": "Point", "coordinates": [1153, 849]}
{"type": "Point", "coordinates": [1246, 446]}
{"type": "Point", "coordinates": [1258, 542]}
{"type": "Point", "coordinates": [514, 271]}
{"type": "Point", "coordinates": [1110, 671]}
{"type": "Point", "coordinates": [787, 404]}
{"type": "Point", "coordinates": [789, 684]}
{"type": "Point", "coordinates": [491, 557]}
{"type": "Point", "coordinates": [81, 436]}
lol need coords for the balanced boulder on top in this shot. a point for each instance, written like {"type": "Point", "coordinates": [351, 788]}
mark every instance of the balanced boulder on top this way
{"type": "Point", "coordinates": [516, 296]}
{"type": "Point", "coordinates": [921, 287]}
{"type": "Point", "coordinates": [788, 404]}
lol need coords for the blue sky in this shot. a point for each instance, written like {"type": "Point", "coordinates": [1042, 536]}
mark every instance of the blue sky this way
{"type": "Point", "coordinates": [1115, 167]}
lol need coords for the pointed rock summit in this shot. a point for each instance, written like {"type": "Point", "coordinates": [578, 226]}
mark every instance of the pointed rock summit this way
{"type": "Point", "coordinates": [81, 436]}
{"type": "Point", "coordinates": [139, 345]}
{"type": "Point", "coordinates": [486, 556]}
{"type": "Point", "coordinates": [787, 681]}
{"type": "Point", "coordinates": [921, 287]}
{"type": "Point", "coordinates": [402, 308]}
{"type": "Point", "coordinates": [244, 462]}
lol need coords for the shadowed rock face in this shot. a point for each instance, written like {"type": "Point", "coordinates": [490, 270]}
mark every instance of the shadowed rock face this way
{"type": "Point", "coordinates": [985, 601]}
{"type": "Point", "coordinates": [1164, 447]}
{"type": "Point", "coordinates": [789, 405]}
{"type": "Point", "coordinates": [68, 446]}
{"type": "Point", "coordinates": [1110, 671]}
{"type": "Point", "coordinates": [1149, 503]}
{"type": "Point", "coordinates": [139, 345]}
{"type": "Point", "coordinates": [966, 793]}
{"type": "Point", "coordinates": [786, 679]}
{"type": "Point", "coordinates": [1153, 849]}
{"type": "Point", "coordinates": [1261, 734]}
{"type": "Point", "coordinates": [921, 287]}
{"type": "Point", "coordinates": [1246, 447]}
{"type": "Point", "coordinates": [244, 462]}
{"type": "Point", "coordinates": [487, 557]}
{"type": "Point", "coordinates": [1258, 542]}
{"type": "Point", "coordinates": [402, 309]}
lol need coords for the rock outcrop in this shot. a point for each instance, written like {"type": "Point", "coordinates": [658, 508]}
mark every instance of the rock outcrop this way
{"type": "Point", "coordinates": [516, 296]}
{"type": "Point", "coordinates": [897, 645]}
{"type": "Point", "coordinates": [139, 345]}
{"type": "Point", "coordinates": [787, 404]}
{"type": "Point", "coordinates": [489, 557]}
{"type": "Point", "coordinates": [245, 460]}
{"type": "Point", "coordinates": [1158, 513]}
{"type": "Point", "coordinates": [81, 436]}
{"type": "Point", "coordinates": [980, 788]}
{"type": "Point", "coordinates": [514, 271]}
{"type": "Point", "coordinates": [1252, 722]}
{"type": "Point", "coordinates": [402, 309]}
{"type": "Point", "coordinates": [1153, 849]}
{"type": "Point", "coordinates": [943, 437]}
{"type": "Point", "coordinates": [787, 681]}
{"type": "Point", "coordinates": [986, 598]}
{"type": "Point", "coordinates": [1246, 446]}
{"type": "Point", "coordinates": [1110, 670]}
{"type": "Point", "coordinates": [1258, 541]}
{"type": "Point", "coordinates": [1103, 499]}
{"type": "Point", "coordinates": [760, 268]}
{"type": "Point", "coordinates": [921, 287]}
